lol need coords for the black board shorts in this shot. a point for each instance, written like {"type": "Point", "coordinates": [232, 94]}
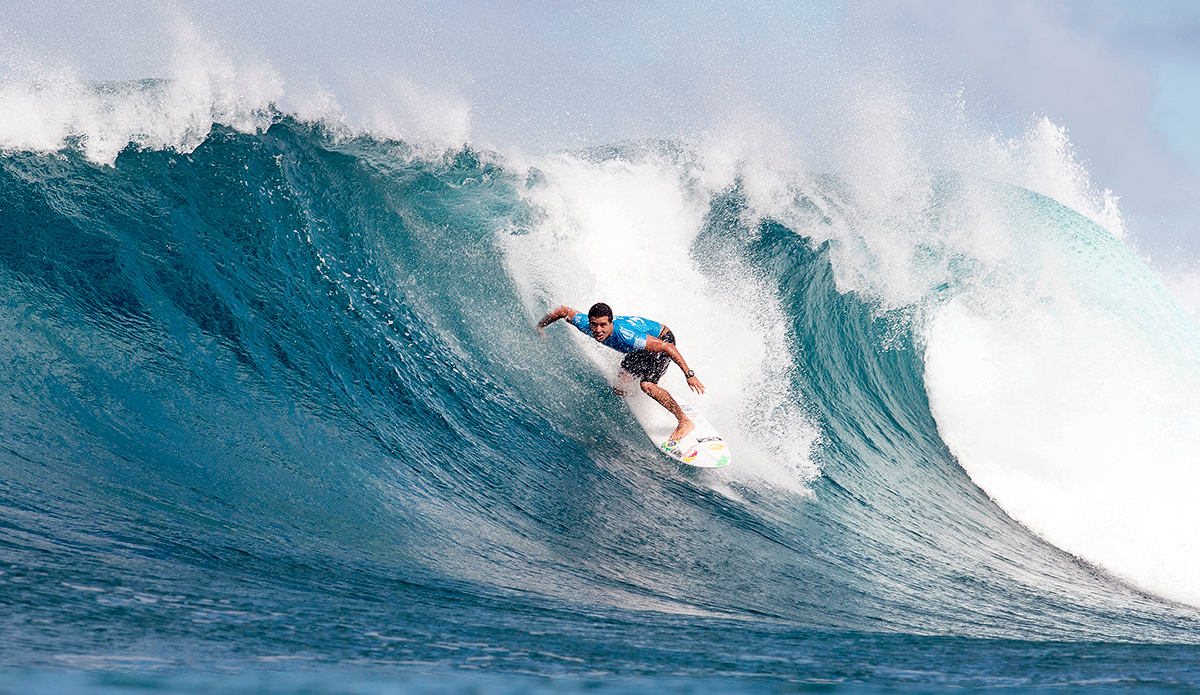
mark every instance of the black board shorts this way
{"type": "Point", "coordinates": [646, 365]}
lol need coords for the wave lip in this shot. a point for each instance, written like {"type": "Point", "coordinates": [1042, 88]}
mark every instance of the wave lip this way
{"type": "Point", "coordinates": [1068, 392]}
{"type": "Point", "coordinates": [49, 110]}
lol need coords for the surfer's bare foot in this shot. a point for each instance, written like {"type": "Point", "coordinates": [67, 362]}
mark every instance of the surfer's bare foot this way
{"type": "Point", "coordinates": [685, 428]}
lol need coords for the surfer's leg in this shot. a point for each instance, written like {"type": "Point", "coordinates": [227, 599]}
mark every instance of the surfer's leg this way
{"type": "Point", "coordinates": [634, 368]}
{"type": "Point", "coordinates": [667, 401]}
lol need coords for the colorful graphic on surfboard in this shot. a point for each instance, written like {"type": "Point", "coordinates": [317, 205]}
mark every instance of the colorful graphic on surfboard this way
{"type": "Point", "coordinates": [703, 447]}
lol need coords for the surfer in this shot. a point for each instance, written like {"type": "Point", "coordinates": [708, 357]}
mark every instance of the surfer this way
{"type": "Point", "coordinates": [649, 347]}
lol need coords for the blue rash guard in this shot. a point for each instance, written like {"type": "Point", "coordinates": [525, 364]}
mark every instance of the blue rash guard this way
{"type": "Point", "coordinates": [629, 332]}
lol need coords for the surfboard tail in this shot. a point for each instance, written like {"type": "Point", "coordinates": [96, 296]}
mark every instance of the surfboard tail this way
{"type": "Point", "coordinates": [703, 446]}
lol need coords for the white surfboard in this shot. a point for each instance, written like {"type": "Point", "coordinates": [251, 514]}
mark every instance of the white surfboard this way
{"type": "Point", "coordinates": [703, 447]}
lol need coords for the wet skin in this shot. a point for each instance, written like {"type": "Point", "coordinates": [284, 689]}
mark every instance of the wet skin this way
{"type": "Point", "coordinates": [601, 328]}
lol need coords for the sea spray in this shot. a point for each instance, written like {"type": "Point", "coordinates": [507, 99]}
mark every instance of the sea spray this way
{"type": "Point", "coordinates": [277, 399]}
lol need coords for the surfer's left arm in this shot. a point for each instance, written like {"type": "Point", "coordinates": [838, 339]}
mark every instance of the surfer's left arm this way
{"type": "Point", "coordinates": [657, 345]}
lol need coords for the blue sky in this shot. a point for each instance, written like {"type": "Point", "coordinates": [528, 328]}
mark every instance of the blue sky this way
{"type": "Point", "coordinates": [1122, 77]}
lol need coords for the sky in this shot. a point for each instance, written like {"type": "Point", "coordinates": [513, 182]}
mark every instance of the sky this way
{"type": "Point", "coordinates": [1122, 77]}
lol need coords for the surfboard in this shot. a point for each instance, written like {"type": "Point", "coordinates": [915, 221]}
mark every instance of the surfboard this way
{"type": "Point", "coordinates": [703, 447]}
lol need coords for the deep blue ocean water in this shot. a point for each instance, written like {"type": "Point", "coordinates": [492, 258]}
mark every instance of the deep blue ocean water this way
{"type": "Point", "coordinates": [275, 419]}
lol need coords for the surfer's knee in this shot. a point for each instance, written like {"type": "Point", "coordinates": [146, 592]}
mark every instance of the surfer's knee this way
{"type": "Point", "coordinates": [648, 387]}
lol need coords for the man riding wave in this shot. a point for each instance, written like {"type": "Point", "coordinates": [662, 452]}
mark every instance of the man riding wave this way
{"type": "Point", "coordinates": [649, 347]}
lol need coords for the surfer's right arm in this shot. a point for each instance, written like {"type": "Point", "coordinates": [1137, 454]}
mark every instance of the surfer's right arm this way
{"type": "Point", "coordinates": [562, 312]}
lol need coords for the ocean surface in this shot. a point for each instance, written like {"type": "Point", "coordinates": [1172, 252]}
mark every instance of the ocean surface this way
{"type": "Point", "coordinates": [274, 418]}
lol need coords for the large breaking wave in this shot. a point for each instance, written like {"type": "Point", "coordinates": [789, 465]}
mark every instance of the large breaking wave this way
{"type": "Point", "coordinates": [281, 376]}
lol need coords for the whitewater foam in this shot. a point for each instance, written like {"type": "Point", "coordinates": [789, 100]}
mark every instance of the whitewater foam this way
{"type": "Point", "coordinates": [404, 109]}
{"type": "Point", "coordinates": [1044, 161]}
{"type": "Point", "coordinates": [1067, 392]}
{"type": "Point", "coordinates": [621, 230]}
{"type": "Point", "coordinates": [49, 108]}
{"type": "Point", "coordinates": [1061, 374]}
{"type": "Point", "coordinates": [1095, 465]}
{"type": "Point", "coordinates": [55, 108]}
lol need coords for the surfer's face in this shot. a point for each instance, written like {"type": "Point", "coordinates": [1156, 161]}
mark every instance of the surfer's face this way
{"type": "Point", "coordinates": [601, 327]}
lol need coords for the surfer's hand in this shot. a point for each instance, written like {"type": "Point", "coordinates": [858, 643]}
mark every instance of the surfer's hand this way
{"type": "Point", "coordinates": [542, 332]}
{"type": "Point", "coordinates": [695, 385]}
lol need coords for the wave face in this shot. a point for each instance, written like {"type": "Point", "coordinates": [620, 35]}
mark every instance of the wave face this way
{"type": "Point", "coordinates": [277, 402]}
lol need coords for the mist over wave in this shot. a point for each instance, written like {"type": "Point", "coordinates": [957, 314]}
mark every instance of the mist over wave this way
{"type": "Point", "coordinates": [258, 360]}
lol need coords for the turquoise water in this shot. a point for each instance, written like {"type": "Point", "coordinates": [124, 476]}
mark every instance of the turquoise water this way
{"type": "Point", "coordinates": [275, 420]}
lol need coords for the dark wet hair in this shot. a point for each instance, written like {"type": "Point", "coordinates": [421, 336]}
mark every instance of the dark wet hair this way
{"type": "Point", "coordinates": [600, 309]}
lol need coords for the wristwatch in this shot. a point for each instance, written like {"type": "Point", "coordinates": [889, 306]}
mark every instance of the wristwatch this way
{"type": "Point", "coordinates": [689, 374]}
